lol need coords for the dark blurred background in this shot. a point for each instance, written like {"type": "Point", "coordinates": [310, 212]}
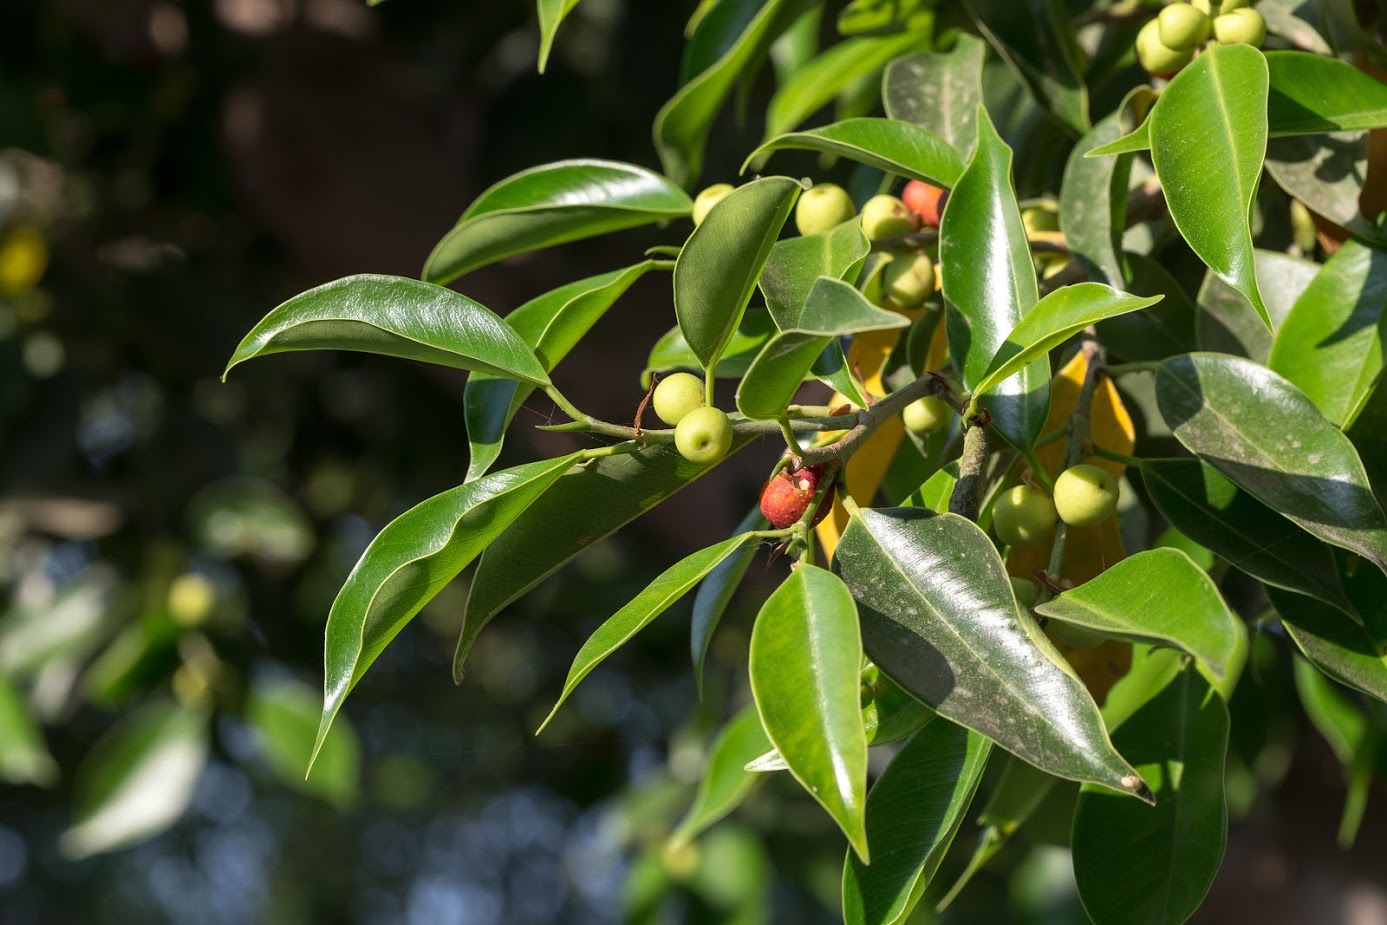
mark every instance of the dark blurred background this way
{"type": "Point", "coordinates": [168, 173]}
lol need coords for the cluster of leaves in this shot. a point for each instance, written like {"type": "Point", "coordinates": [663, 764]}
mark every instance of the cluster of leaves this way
{"type": "Point", "coordinates": [1252, 452]}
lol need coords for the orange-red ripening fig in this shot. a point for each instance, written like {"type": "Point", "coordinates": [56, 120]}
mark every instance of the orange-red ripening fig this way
{"type": "Point", "coordinates": [925, 200]}
{"type": "Point", "coordinates": [788, 493]}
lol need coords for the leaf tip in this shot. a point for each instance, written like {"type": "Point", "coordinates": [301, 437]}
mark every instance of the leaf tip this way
{"type": "Point", "coordinates": [1134, 785]}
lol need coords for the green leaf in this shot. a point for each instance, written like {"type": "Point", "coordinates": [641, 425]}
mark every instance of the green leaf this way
{"type": "Point", "coordinates": [934, 495]}
{"type": "Point", "coordinates": [1208, 139]}
{"type": "Point", "coordinates": [1138, 139]}
{"type": "Point", "coordinates": [795, 263]}
{"type": "Point", "coordinates": [1212, 511]}
{"type": "Point", "coordinates": [889, 713]}
{"type": "Point", "coordinates": [137, 779]}
{"type": "Point", "coordinates": [1326, 173]}
{"type": "Point", "coordinates": [717, 270]}
{"type": "Point", "coordinates": [587, 505]}
{"type": "Point", "coordinates": [1226, 323]}
{"type": "Point", "coordinates": [1093, 194]}
{"type": "Point", "coordinates": [1054, 319]}
{"type": "Point", "coordinates": [895, 147]}
{"type": "Point", "coordinates": [1137, 864]}
{"type": "Point", "coordinates": [806, 653]}
{"type": "Point", "coordinates": [1335, 717]}
{"type": "Point", "coordinates": [672, 352]}
{"type": "Point", "coordinates": [1311, 94]}
{"type": "Point", "coordinates": [24, 758]}
{"type": "Point", "coordinates": [833, 308]}
{"type": "Point", "coordinates": [681, 125]}
{"type": "Point", "coordinates": [551, 14]}
{"type": "Point", "coordinates": [715, 593]}
{"type": "Point", "coordinates": [552, 325]}
{"type": "Point", "coordinates": [672, 584]}
{"type": "Point", "coordinates": [1263, 434]}
{"type": "Point", "coordinates": [553, 204]}
{"type": "Point", "coordinates": [1330, 345]}
{"type": "Point", "coordinates": [1339, 646]}
{"type": "Point", "coordinates": [397, 317]}
{"type": "Point", "coordinates": [832, 72]}
{"type": "Point", "coordinates": [1162, 597]}
{"type": "Point", "coordinates": [883, 16]}
{"type": "Point", "coordinates": [989, 285]}
{"type": "Point", "coordinates": [725, 782]}
{"type": "Point", "coordinates": [939, 616]}
{"type": "Point", "coordinates": [284, 716]}
{"type": "Point", "coordinates": [914, 811]}
{"type": "Point", "coordinates": [1164, 329]}
{"type": "Point", "coordinates": [1036, 39]}
{"type": "Point", "coordinates": [410, 561]}
{"type": "Point", "coordinates": [939, 91]}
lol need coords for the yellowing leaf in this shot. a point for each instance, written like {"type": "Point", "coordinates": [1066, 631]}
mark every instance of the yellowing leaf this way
{"type": "Point", "coordinates": [1087, 550]}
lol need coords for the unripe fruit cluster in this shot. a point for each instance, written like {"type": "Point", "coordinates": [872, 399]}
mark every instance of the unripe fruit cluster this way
{"type": "Point", "coordinates": [702, 434]}
{"type": "Point", "coordinates": [1085, 495]}
{"type": "Point", "coordinates": [1169, 42]}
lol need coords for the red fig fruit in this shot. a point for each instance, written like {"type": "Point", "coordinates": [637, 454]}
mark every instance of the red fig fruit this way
{"type": "Point", "coordinates": [926, 201]}
{"type": "Point", "coordinates": [788, 494]}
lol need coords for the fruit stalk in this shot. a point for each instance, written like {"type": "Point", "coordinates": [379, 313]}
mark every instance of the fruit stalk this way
{"type": "Point", "coordinates": [1079, 438]}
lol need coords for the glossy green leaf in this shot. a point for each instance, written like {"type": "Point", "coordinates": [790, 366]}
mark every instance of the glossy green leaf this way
{"type": "Point", "coordinates": [397, 317]}
{"type": "Point", "coordinates": [1311, 94]}
{"type": "Point", "coordinates": [1164, 329]}
{"type": "Point", "coordinates": [889, 713]}
{"type": "Point", "coordinates": [411, 560]}
{"type": "Point", "coordinates": [552, 325]}
{"type": "Point", "coordinates": [672, 352]}
{"type": "Point", "coordinates": [833, 308]}
{"type": "Point", "coordinates": [914, 811]}
{"type": "Point", "coordinates": [715, 593]}
{"type": "Point", "coordinates": [806, 653]}
{"type": "Point", "coordinates": [1212, 511]}
{"type": "Point", "coordinates": [681, 125]}
{"type": "Point", "coordinates": [1036, 39]}
{"type": "Point", "coordinates": [284, 716]}
{"type": "Point", "coordinates": [1330, 345]}
{"type": "Point", "coordinates": [553, 204]}
{"type": "Point", "coordinates": [939, 91]}
{"type": "Point", "coordinates": [1152, 865]}
{"type": "Point", "coordinates": [934, 495]}
{"type": "Point", "coordinates": [1282, 21]}
{"type": "Point", "coordinates": [796, 47]}
{"type": "Point", "coordinates": [717, 270]}
{"type": "Point", "coordinates": [1326, 173]}
{"type": "Point", "coordinates": [1162, 597]}
{"type": "Point", "coordinates": [1226, 322]}
{"type": "Point", "coordinates": [1263, 434]}
{"type": "Point", "coordinates": [672, 584]}
{"type": "Point", "coordinates": [939, 616]}
{"type": "Point", "coordinates": [1054, 319]}
{"type": "Point", "coordinates": [585, 506]}
{"type": "Point", "coordinates": [137, 779]}
{"type": "Point", "coordinates": [551, 14]}
{"type": "Point", "coordinates": [895, 147]}
{"type": "Point", "coordinates": [725, 782]}
{"type": "Point", "coordinates": [989, 284]}
{"type": "Point", "coordinates": [24, 758]}
{"type": "Point", "coordinates": [1093, 194]}
{"type": "Point", "coordinates": [1208, 139]}
{"type": "Point", "coordinates": [832, 73]}
{"type": "Point", "coordinates": [795, 263]}
{"type": "Point", "coordinates": [1338, 646]}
